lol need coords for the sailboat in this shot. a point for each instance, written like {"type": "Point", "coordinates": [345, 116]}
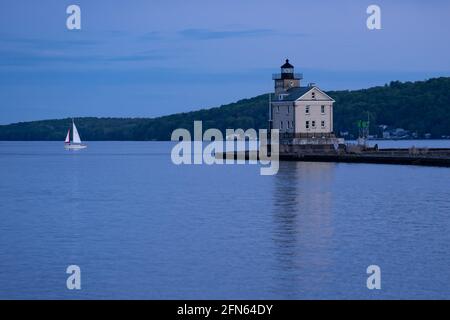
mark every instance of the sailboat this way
{"type": "Point", "coordinates": [76, 141]}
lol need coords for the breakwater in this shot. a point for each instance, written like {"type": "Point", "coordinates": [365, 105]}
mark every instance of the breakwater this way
{"type": "Point", "coordinates": [402, 156]}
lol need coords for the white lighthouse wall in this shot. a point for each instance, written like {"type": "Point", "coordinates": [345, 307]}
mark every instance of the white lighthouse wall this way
{"type": "Point", "coordinates": [316, 115]}
{"type": "Point", "coordinates": [283, 117]}
{"type": "Point", "coordinates": [314, 99]}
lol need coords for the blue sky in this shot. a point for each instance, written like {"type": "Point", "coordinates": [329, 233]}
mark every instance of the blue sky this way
{"type": "Point", "coordinates": [149, 58]}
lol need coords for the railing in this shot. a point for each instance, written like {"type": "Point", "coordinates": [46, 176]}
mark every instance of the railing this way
{"type": "Point", "coordinates": [303, 141]}
{"type": "Point", "coordinates": [279, 76]}
{"type": "Point", "coordinates": [310, 139]}
{"type": "Point", "coordinates": [317, 135]}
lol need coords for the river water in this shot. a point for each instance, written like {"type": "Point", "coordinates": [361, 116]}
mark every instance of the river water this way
{"type": "Point", "coordinates": [139, 226]}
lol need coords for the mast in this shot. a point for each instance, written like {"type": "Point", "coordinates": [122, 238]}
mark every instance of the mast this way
{"type": "Point", "coordinates": [270, 111]}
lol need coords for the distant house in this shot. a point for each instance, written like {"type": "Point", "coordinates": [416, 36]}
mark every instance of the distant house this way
{"type": "Point", "coordinates": [300, 113]}
{"type": "Point", "coordinates": [386, 135]}
{"type": "Point", "coordinates": [397, 133]}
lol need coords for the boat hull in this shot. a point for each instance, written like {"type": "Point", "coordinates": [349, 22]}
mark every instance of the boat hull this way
{"type": "Point", "coordinates": [75, 146]}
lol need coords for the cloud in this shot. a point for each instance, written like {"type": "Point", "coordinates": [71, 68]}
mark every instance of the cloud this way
{"type": "Point", "coordinates": [42, 43]}
{"type": "Point", "coordinates": [19, 58]}
{"type": "Point", "coordinates": [77, 49]}
{"type": "Point", "coordinates": [207, 34]}
{"type": "Point", "coordinates": [153, 35]}
{"type": "Point", "coordinates": [142, 56]}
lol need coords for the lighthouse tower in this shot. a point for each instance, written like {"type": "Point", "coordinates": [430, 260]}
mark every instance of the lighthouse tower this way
{"type": "Point", "coordinates": [287, 79]}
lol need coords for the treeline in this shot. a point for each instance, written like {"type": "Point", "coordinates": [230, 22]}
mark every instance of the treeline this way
{"type": "Point", "coordinates": [422, 107]}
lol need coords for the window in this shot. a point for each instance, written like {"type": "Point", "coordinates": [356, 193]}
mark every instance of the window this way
{"type": "Point", "coordinates": [322, 124]}
{"type": "Point", "coordinates": [313, 124]}
{"type": "Point", "coordinates": [280, 97]}
{"type": "Point", "coordinates": [278, 109]}
{"type": "Point", "coordinates": [307, 110]}
{"type": "Point", "coordinates": [322, 109]}
{"type": "Point", "coordinates": [288, 124]}
{"type": "Point", "coordinates": [289, 109]}
{"type": "Point", "coordinates": [281, 124]}
{"type": "Point", "coordinates": [313, 95]}
{"type": "Point", "coordinates": [307, 125]}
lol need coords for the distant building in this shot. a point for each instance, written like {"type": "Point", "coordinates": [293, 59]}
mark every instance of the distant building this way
{"type": "Point", "coordinates": [301, 114]}
{"type": "Point", "coordinates": [395, 133]}
{"type": "Point", "coordinates": [386, 135]}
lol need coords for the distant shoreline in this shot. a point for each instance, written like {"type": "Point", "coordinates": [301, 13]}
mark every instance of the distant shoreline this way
{"type": "Point", "coordinates": [418, 109]}
{"type": "Point", "coordinates": [347, 141]}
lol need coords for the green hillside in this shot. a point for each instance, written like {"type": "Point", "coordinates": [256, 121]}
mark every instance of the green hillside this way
{"type": "Point", "coordinates": [422, 107]}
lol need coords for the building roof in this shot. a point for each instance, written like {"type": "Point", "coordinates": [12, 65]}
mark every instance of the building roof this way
{"type": "Point", "coordinates": [287, 64]}
{"type": "Point", "coordinates": [295, 93]}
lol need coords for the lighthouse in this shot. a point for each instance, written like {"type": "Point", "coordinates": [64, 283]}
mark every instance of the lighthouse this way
{"type": "Point", "coordinates": [287, 79]}
{"type": "Point", "coordinates": [302, 114]}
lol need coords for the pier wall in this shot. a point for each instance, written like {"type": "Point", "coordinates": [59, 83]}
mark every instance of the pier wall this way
{"type": "Point", "coordinates": [327, 153]}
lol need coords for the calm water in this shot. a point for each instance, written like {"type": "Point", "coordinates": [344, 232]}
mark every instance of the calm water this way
{"type": "Point", "coordinates": [141, 227]}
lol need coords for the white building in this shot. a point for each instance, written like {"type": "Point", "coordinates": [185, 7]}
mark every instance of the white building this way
{"type": "Point", "coordinates": [302, 114]}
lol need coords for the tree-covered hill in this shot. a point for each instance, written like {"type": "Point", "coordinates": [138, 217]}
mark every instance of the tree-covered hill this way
{"type": "Point", "coordinates": [422, 107]}
{"type": "Point", "coordinates": [247, 113]}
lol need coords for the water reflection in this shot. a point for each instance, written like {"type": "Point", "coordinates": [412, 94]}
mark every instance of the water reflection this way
{"type": "Point", "coordinates": [303, 227]}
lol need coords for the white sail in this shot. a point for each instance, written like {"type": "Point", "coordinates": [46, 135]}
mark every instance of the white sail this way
{"type": "Point", "coordinates": [76, 141]}
{"type": "Point", "coordinates": [67, 137]}
{"type": "Point", "coordinates": [76, 136]}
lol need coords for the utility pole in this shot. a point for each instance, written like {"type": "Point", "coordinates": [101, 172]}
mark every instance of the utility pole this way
{"type": "Point", "coordinates": [270, 111]}
{"type": "Point", "coordinates": [269, 138]}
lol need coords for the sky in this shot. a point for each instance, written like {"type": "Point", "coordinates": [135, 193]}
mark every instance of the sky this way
{"type": "Point", "coordinates": [146, 58]}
